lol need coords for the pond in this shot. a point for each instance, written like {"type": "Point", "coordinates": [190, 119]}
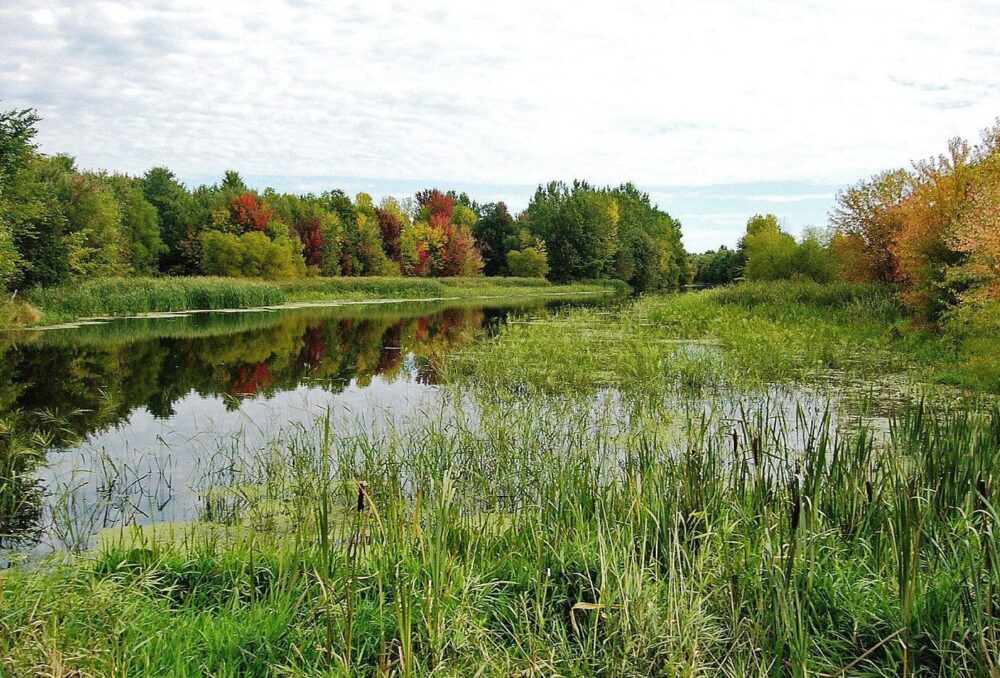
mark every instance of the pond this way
{"type": "Point", "coordinates": [131, 411]}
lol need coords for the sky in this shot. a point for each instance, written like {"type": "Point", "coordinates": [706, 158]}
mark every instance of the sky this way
{"type": "Point", "coordinates": [718, 109]}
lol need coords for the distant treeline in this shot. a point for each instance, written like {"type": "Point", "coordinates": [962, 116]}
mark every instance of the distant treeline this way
{"type": "Point", "coordinates": [61, 225]}
{"type": "Point", "coordinates": [932, 230]}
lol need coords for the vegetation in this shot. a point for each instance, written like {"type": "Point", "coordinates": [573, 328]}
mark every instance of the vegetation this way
{"type": "Point", "coordinates": [528, 523]}
{"type": "Point", "coordinates": [772, 477]}
{"type": "Point", "coordinates": [135, 296]}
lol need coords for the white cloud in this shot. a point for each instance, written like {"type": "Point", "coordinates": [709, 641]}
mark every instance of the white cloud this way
{"type": "Point", "coordinates": [664, 94]}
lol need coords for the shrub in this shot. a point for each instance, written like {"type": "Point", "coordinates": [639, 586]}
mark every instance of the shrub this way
{"type": "Point", "coordinates": [527, 263]}
{"type": "Point", "coordinates": [251, 255]}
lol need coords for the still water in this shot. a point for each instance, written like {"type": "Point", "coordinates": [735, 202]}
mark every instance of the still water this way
{"type": "Point", "coordinates": [132, 411]}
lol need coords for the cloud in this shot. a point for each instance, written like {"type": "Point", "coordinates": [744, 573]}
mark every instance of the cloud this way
{"type": "Point", "coordinates": [509, 94]}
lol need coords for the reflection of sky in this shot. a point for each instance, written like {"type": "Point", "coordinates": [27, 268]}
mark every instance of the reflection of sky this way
{"type": "Point", "coordinates": [159, 466]}
{"type": "Point", "coordinates": [710, 215]}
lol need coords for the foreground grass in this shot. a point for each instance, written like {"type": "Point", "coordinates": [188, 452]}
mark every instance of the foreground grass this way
{"type": "Point", "coordinates": [136, 296]}
{"type": "Point", "coordinates": [552, 539]}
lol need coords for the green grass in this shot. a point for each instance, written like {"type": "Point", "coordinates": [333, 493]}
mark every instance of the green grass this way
{"type": "Point", "coordinates": [553, 540]}
{"type": "Point", "coordinates": [768, 333]}
{"type": "Point", "coordinates": [136, 296]}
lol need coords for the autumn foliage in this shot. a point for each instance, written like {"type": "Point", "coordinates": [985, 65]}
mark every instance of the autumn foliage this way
{"type": "Point", "coordinates": [933, 230]}
{"type": "Point", "coordinates": [250, 214]}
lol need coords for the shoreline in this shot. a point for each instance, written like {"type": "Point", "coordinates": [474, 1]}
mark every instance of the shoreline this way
{"type": "Point", "coordinates": [339, 292]}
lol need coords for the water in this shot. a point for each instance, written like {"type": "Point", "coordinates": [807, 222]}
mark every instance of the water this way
{"type": "Point", "coordinates": [133, 411]}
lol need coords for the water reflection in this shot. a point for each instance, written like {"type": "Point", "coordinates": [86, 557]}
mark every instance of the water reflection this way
{"type": "Point", "coordinates": [71, 384]}
{"type": "Point", "coordinates": [146, 401]}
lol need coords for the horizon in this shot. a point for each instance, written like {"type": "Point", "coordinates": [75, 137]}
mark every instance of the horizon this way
{"type": "Point", "coordinates": [717, 114]}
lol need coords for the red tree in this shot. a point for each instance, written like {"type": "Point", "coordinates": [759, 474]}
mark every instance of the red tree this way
{"type": "Point", "coordinates": [437, 203]}
{"type": "Point", "coordinates": [310, 232]}
{"type": "Point", "coordinates": [250, 214]}
{"type": "Point", "coordinates": [392, 234]}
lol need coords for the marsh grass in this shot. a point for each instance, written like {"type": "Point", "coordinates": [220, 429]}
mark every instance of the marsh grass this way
{"type": "Point", "coordinates": [555, 538]}
{"type": "Point", "coordinates": [136, 296]}
{"type": "Point", "coordinates": [133, 296]}
{"type": "Point", "coordinates": [744, 336]}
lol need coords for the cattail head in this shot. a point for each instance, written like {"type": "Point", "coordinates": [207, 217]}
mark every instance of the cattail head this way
{"type": "Point", "coordinates": [361, 495]}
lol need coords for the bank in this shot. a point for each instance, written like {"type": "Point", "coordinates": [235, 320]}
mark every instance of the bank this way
{"type": "Point", "coordinates": [122, 297]}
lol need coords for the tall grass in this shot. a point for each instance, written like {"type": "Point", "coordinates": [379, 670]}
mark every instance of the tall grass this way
{"type": "Point", "coordinates": [553, 538]}
{"type": "Point", "coordinates": [135, 296]}
{"type": "Point", "coordinates": [734, 337]}
{"type": "Point", "coordinates": [620, 492]}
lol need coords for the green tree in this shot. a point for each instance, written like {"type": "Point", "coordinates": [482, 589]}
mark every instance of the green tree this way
{"type": "Point", "coordinates": [251, 255]}
{"type": "Point", "coordinates": [718, 267]}
{"type": "Point", "coordinates": [814, 259]}
{"type": "Point", "coordinates": [770, 252]}
{"type": "Point", "coordinates": [578, 226]}
{"type": "Point", "coordinates": [17, 149]}
{"type": "Point", "coordinates": [496, 234]}
{"type": "Point", "coordinates": [175, 209]}
{"type": "Point", "coordinates": [140, 224]}
{"type": "Point", "coordinates": [93, 225]}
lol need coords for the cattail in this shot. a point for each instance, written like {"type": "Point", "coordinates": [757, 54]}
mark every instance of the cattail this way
{"type": "Point", "coordinates": [796, 504]}
{"type": "Point", "coordinates": [736, 442]}
{"type": "Point", "coordinates": [755, 448]}
{"type": "Point", "coordinates": [361, 496]}
{"type": "Point", "coordinates": [869, 490]}
{"type": "Point", "coordinates": [981, 488]}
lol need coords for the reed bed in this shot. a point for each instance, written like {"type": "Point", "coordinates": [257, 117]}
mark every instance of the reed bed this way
{"type": "Point", "coordinates": [136, 296]}
{"type": "Point", "coordinates": [553, 538]}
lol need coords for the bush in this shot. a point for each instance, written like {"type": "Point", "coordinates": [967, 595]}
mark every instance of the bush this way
{"type": "Point", "coordinates": [252, 255]}
{"type": "Point", "coordinates": [527, 263]}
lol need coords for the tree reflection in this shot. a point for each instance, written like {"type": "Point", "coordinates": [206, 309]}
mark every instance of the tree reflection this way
{"type": "Point", "coordinates": [68, 390]}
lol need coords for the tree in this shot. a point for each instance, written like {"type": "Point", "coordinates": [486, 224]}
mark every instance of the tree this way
{"type": "Point", "coordinates": [174, 207]}
{"type": "Point", "coordinates": [251, 255]}
{"type": "Point", "coordinates": [495, 233]}
{"type": "Point", "coordinates": [976, 235]}
{"type": "Point", "coordinates": [390, 223]}
{"type": "Point", "coordinates": [927, 216]}
{"type": "Point", "coordinates": [17, 148]}
{"type": "Point", "coordinates": [718, 267]}
{"type": "Point", "coordinates": [868, 224]}
{"type": "Point", "coordinates": [248, 213]}
{"type": "Point", "coordinates": [770, 252]}
{"type": "Point", "coordinates": [814, 260]}
{"type": "Point", "coordinates": [578, 226]}
{"type": "Point", "coordinates": [94, 226]}
{"type": "Point", "coordinates": [142, 245]}
{"type": "Point", "coordinates": [37, 223]}
{"type": "Point", "coordinates": [649, 255]}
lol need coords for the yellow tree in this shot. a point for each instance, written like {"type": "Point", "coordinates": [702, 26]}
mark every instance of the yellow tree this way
{"type": "Point", "coordinates": [927, 217]}
{"type": "Point", "coordinates": [867, 224]}
{"type": "Point", "coordinates": [977, 231]}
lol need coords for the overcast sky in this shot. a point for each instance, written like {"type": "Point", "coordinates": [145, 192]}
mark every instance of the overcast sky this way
{"type": "Point", "coordinates": [718, 109]}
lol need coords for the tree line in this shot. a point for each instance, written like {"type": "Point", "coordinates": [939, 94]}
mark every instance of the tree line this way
{"type": "Point", "coordinates": [933, 230]}
{"type": "Point", "coordinates": [60, 224]}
